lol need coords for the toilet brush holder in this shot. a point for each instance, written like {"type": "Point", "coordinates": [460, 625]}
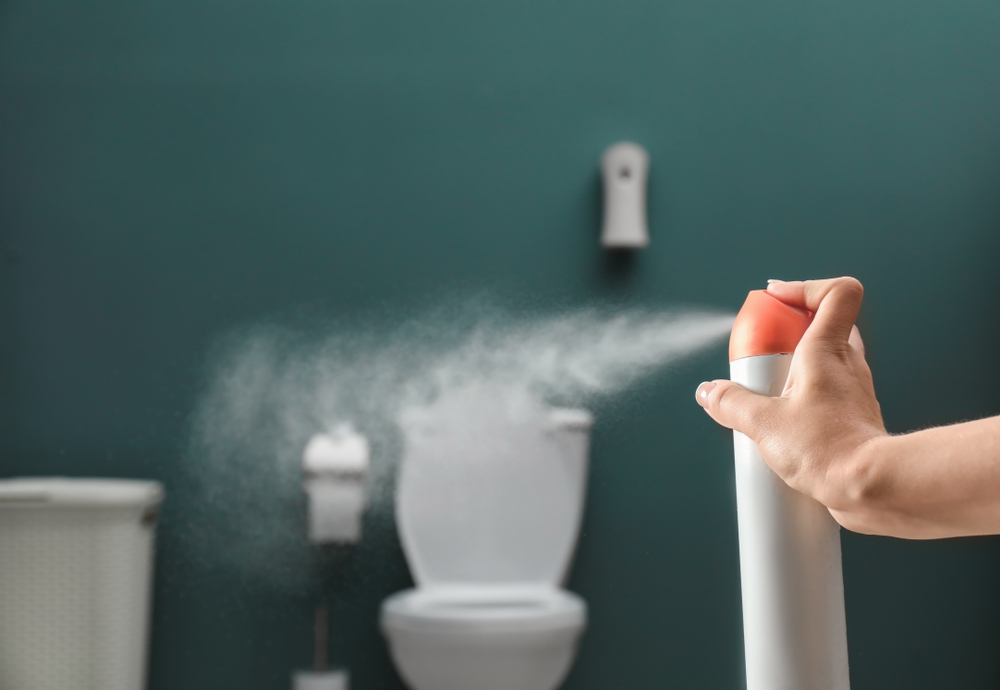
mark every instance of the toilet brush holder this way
{"type": "Point", "coordinates": [322, 680]}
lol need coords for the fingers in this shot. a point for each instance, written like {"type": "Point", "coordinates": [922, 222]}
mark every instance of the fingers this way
{"type": "Point", "coordinates": [790, 292]}
{"type": "Point", "coordinates": [835, 302]}
{"type": "Point", "coordinates": [733, 406]}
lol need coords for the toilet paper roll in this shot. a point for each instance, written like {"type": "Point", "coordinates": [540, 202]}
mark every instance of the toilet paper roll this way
{"type": "Point", "coordinates": [335, 509]}
{"type": "Point", "coordinates": [327, 680]}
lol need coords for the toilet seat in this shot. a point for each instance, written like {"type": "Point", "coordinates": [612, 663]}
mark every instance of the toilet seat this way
{"type": "Point", "coordinates": [461, 610]}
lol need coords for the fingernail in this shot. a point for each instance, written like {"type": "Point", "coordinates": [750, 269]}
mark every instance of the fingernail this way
{"type": "Point", "coordinates": [703, 390]}
{"type": "Point", "coordinates": [774, 280]}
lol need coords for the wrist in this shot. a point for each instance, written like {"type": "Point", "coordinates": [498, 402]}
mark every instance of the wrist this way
{"type": "Point", "coordinates": [863, 484]}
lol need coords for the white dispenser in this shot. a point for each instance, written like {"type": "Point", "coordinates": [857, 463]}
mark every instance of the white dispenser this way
{"type": "Point", "coordinates": [625, 169]}
{"type": "Point", "coordinates": [76, 559]}
{"type": "Point", "coordinates": [794, 626]}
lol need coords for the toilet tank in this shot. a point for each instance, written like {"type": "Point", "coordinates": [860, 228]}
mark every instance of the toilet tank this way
{"type": "Point", "coordinates": [491, 488]}
{"type": "Point", "coordinates": [76, 562]}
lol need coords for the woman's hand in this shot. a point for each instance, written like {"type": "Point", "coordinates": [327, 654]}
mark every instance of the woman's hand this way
{"type": "Point", "coordinates": [818, 434]}
{"type": "Point", "coordinates": [824, 435]}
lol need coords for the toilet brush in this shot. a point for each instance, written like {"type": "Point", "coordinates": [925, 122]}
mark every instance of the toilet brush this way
{"type": "Point", "coordinates": [794, 628]}
{"type": "Point", "coordinates": [321, 678]}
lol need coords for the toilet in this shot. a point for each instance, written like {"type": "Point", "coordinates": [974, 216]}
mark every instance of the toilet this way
{"type": "Point", "coordinates": [488, 506]}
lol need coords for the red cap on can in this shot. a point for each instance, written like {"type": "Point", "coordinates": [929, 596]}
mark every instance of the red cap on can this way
{"type": "Point", "coordinates": [766, 326]}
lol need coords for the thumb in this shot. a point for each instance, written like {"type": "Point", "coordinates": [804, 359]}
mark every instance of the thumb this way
{"type": "Point", "coordinates": [737, 408]}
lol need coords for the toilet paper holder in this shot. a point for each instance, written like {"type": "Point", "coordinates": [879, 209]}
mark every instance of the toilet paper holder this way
{"type": "Point", "coordinates": [336, 469]}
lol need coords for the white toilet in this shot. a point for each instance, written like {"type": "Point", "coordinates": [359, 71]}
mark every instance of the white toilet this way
{"type": "Point", "coordinates": [488, 505]}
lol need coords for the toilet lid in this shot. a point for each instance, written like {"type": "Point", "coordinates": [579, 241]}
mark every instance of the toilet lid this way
{"type": "Point", "coordinates": [491, 489]}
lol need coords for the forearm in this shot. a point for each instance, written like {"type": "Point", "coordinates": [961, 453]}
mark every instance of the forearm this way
{"type": "Point", "coordinates": [942, 482]}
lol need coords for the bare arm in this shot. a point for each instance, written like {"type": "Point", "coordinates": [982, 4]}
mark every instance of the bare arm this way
{"type": "Point", "coordinates": [825, 437]}
{"type": "Point", "coordinates": [942, 482]}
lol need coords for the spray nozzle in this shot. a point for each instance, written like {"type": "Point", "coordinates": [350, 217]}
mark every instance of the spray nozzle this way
{"type": "Point", "coordinates": [766, 326]}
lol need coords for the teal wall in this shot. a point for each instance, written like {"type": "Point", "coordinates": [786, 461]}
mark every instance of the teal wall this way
{"type": "Point", "coordinates": [172, 170]}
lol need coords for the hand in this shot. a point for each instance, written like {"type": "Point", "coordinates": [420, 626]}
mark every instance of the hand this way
{"type": "Point", "coordinates": [816, 434]}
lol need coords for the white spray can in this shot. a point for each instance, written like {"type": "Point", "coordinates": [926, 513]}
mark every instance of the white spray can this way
{"type": "Point", "coordinates": [794, 629]}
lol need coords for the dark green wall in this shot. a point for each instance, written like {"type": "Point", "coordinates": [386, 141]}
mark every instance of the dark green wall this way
{"type": "Point", "coordinates": [171, 170]}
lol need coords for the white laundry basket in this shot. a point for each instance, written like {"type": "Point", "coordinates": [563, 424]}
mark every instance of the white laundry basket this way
{"type": "Point", "coordinates": [76, 560]}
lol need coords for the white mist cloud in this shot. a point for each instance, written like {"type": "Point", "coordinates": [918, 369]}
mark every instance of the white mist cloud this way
{"type": "Point", "coordinates": [270, 388]}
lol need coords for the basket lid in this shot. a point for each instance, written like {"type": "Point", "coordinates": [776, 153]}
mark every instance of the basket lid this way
{"type": "Point", "coordinates": [62, 491]}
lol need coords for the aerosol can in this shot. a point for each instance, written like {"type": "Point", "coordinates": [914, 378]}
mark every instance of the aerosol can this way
{"type": "Point", "coordinates": [794, 629]}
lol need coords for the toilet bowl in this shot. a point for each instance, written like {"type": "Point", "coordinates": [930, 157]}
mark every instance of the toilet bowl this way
{"type": "Point", "coordinates": [490, 639]}
{"type": "Point", "coordinates": [488, 505]}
